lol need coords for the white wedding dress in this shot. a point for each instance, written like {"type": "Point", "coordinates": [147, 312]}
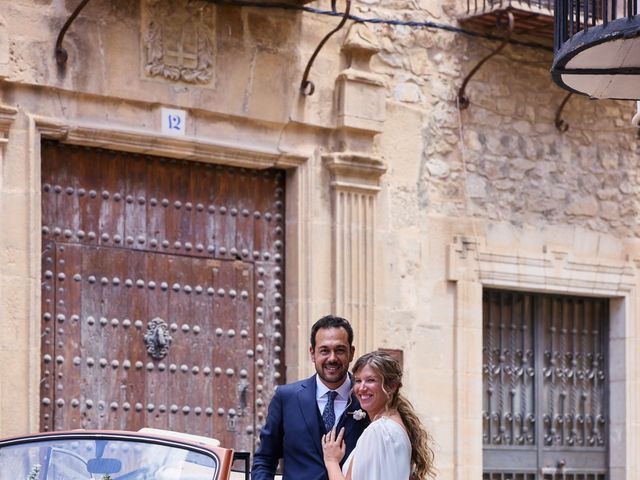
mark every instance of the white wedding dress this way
{"type": "Point", "coordinates": [383, 452]}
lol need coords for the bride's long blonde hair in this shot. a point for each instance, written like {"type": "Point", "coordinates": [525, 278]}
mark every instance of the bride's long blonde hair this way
{"type": "Point", "coordinates": [390, 372]}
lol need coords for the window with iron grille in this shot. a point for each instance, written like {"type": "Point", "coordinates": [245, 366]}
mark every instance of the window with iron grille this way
{"type": "Point", "coordinates": [545, 409]}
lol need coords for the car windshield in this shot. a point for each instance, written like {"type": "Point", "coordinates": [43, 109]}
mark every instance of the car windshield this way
{"type": "Point", "coordinates": [103, 459]}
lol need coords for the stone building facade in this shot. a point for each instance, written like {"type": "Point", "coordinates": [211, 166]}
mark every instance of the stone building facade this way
{"type": "Point", "coordinates": [401, 211]}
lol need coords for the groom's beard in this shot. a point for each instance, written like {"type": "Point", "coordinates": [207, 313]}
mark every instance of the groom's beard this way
{"type": "Point", "coordinates": [333, 372]}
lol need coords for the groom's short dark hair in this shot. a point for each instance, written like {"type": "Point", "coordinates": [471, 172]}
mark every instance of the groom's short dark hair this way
{"type": "Point", "coordinates": [331, 321]}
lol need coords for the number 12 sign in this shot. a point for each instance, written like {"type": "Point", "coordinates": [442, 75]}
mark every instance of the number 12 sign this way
{"type": "Point", "coordinates": [174, 122]}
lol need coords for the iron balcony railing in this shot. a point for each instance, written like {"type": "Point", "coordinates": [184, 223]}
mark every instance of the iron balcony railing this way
{"type": "Point", "coordinates": [573, 16]}
{"type": "Point", "coordinates": [531, 18]}
{"type": "Point", "coordinates": [483, 6]}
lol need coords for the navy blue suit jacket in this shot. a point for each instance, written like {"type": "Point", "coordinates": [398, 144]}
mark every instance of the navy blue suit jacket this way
{"type": "Point", "coordinates": [293, 431]}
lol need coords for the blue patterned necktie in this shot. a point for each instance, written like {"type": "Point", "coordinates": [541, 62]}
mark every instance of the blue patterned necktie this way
{"type": "Point", "coordinates": [329, 415]}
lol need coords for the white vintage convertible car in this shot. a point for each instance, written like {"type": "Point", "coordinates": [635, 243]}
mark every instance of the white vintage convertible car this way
{"type": "Point", "coordinates": [114, 455]}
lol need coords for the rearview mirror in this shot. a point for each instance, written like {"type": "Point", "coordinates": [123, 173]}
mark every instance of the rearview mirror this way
{"type": "Point", "coordinates": [103, 466]}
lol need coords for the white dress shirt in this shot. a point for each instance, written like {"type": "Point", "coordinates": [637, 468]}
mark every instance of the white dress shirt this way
{"type": "Point", "coordinates": [341, 401]}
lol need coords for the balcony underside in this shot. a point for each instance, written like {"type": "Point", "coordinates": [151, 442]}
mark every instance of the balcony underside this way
{"type": "Point", "coordinates": [602, 62]}
{"type": "Point", "coordinates": [529, 23]}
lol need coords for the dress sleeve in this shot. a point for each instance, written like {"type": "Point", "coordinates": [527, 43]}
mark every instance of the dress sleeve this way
{"type": "Point", "coordinates": [383, 453]}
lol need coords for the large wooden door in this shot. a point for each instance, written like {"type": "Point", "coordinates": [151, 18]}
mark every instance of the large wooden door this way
{"type": "Point", "coordinates": [162, 294]}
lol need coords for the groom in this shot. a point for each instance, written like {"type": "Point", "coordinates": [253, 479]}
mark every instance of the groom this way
{"type": "Point", "coordinates": [301, 412]}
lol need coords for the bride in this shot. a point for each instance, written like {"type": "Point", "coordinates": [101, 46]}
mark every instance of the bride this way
{"type": "Point", "coordinates": [396, 444]}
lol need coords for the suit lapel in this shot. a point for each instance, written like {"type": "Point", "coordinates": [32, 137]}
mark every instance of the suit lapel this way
{"type": "Point", "coordinates": [347, 421]}
{"type": "Point", "coordinates": [309, 406]}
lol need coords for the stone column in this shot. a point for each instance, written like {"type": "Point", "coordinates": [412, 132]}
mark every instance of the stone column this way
{"type": "Point", "coordinates": [7, 306]}
{"type": "Point", "coordinates": [467, 372]}
{"type": "Point", "coordinates": [355, 180]}
{"type": "Point", "coordinates": [354, 185]}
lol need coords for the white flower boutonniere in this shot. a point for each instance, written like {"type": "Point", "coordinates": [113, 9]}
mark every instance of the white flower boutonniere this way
{"type": "Point", "coordinates": [359, 414]}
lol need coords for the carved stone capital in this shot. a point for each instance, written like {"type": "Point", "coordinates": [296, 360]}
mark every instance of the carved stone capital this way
{"type": "Point", "coordinates": [354, 171]}
{"type": "Point", "coordinates": [359, 46]}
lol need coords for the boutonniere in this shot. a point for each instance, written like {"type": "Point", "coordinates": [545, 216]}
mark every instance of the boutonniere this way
{"type": "Point", "coordinates": [358, 414]}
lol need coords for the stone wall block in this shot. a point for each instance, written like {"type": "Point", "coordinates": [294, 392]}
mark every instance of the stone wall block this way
{"type": "Point", "coordinates": [361, 101]}
{"type": "Point", "coordinates": [360, 92]}
{"type": "Point", "coordinates": [583, 205]}
{"type": "Point", "coordinates": [408, 92]}
{"type": "Point", "coordinates": [610, 210]}
{"type": "Point", "coordinates": [272, 29]}
{"type": "Point", "coordinates": [4, 48]}
{"type": "Point", "coordinates": [269, 89]}
{"type": "Point", "coordinates": [14, 234]}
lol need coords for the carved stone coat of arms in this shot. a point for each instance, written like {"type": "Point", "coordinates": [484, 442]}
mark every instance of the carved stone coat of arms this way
{"type": "Point", "coordinates": [179, 40]}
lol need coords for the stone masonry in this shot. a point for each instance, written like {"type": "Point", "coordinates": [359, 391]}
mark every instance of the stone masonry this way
{"type": "Point", "coordinates": [401, 208]}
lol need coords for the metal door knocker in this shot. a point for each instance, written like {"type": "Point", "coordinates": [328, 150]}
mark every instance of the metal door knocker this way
{"type": "Point", "coordinates": [157, 339]}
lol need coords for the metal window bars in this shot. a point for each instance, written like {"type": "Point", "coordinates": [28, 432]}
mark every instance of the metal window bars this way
{"type": "Point", "coordinates": [573, 16]}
